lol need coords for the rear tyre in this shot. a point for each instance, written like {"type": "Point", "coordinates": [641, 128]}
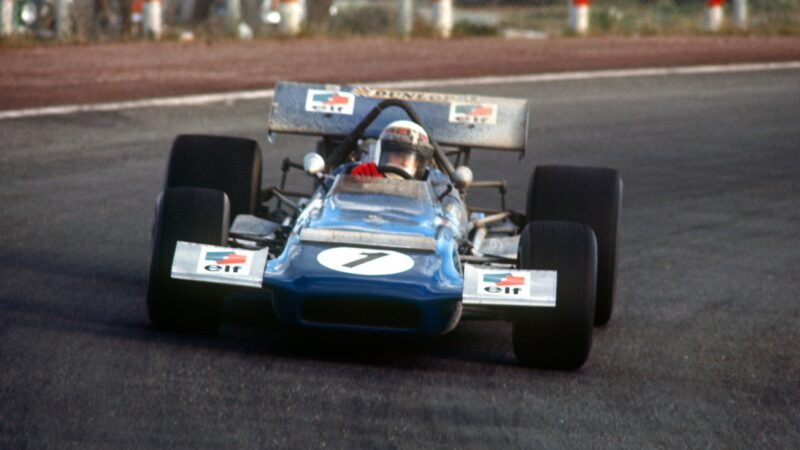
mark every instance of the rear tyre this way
{"type": "Point", "coordinates": [228, 164]}
{"type": "Point", "coordinates": [194, 215]}
{"type": "Point", "coordinates": [560, 337]}
{"type": "Point", "coordinates": [588, 195]}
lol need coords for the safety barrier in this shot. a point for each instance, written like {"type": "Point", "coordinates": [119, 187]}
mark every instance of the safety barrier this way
{"type": "Point", "coordinates": [183, 19]}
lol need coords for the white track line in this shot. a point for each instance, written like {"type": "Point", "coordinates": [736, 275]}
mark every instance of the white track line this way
{"type": "Point", "coordinates": [530, 78]}
{"type": "Point", "coordinates": [596, 74]}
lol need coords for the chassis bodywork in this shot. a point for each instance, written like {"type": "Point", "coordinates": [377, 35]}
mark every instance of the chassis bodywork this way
{"type": "Point", "coordinates": [380, 254]}
{"type": "Point", "coordinates": [400, 247]}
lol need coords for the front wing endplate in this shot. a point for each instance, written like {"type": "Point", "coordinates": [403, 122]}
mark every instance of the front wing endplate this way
{"type": "Point", "coordinates": [489, 286]}
{"type": "Point", "coordinates": [220, 265]}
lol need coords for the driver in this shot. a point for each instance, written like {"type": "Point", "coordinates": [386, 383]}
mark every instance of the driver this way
{"type": "Point", "coordinates": [402, 145]}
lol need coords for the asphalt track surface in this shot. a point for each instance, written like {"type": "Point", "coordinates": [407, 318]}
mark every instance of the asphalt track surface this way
{"type": "Point", "coordinates": [701, 353]}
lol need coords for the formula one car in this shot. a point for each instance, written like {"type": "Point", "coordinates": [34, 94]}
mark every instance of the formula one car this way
{"type": "Point", "coordinates": [381, 245]}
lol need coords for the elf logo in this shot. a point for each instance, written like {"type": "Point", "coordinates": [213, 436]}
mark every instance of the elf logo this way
{"type": "Point", "coordinates": [228, 262]}
{"type": "Point", "coordinates": [330, 99]}
{"type": "Point", "coordinates": [330, 102]}
{"type": "Point", "coordinates": [473, 113]}
{"type": "Point", "coordinates": [504, 283]}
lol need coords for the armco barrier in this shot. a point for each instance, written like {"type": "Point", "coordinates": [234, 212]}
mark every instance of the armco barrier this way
{"type": "Point", "coordinates": [212, 19]}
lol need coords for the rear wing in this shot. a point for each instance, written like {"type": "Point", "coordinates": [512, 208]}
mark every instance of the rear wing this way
{"type": "Point", "coordinates": [493, 123]}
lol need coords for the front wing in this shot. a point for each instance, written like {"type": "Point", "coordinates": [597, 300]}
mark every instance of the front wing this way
{"type": "Point", "coordinates": [482, 286]}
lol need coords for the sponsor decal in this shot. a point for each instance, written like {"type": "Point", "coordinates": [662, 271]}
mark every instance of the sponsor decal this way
{"type": "Point", "coordinates": [485, 113]}
{"type": "Point", "coordinates": [221, 265]}
{"type": "Point", "coordinates": [227, 262]}
{"type": "Point", "coordinates": [365, 261]}
{"type": "Point", "coordinates": [331, 102]}
{"type": "Point", "coordinates": [510, 287]}
{"type": "Point", "coordinates": [505, 283]}
{"type": "Point", "coordinates": [226, 258]}
{"type": "Point", "coordinates": [430, 97]}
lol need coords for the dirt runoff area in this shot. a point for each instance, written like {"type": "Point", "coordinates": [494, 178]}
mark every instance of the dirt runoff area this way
{"type": "Point", "coordinates": [82, 74]}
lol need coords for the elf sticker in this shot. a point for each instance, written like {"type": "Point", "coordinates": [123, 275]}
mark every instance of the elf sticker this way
{"type": "Point", "coordinates": [485, 113]}
{"type": "Point", "coordinates": [330, 102]}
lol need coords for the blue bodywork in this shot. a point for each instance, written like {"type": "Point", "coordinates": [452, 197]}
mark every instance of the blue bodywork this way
{"type": "Point", "coordinates": [424, 300]}
{"type": "Point", "coordinates": [383, 212]}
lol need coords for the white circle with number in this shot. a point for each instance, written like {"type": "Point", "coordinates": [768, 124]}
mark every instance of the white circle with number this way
{"type": "Point", "coordinates": [365, 261]}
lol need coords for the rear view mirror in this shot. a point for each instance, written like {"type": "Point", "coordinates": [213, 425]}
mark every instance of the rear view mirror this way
{"type": "Point", "coordinates": [313, 164]}
{"type": "Point", "coordinates": [462, 177]}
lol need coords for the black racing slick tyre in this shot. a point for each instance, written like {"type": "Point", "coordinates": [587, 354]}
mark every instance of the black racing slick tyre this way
{"type": "Point", "coordinates": [559, 337]}
{"type": "Point", "coordinates": [228, 164]}
{"type": "Point", "coordinates": [588, 195]}
{"type": "Point", "coordinates": [194, 215]}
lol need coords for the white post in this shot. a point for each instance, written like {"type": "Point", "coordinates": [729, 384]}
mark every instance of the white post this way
{"type": "Point", "coordinates": [152, 19]}
{"type": "Point", "coordinates": [405, 17]}
{"type": "Point", "coordinates": [291, 17]}
{"type": "Point", "coordinates": [714, 15]}
{"type": "Point", "coordinates": [233, 15]}
{"type": "Point", "coordinates": [6, 18]}
{"type": "Point", "coordinates": [443, 17]}
{"type": "Point", "coordinates": [740, 14]}
{"type": "Point", "coordinates": [63, 19]}
{"type": "Point", "coordinates": [578, 16]}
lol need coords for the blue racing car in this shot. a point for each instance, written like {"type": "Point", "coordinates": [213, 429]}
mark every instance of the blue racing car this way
{"type": "Point", "coordinates": [385, 242]}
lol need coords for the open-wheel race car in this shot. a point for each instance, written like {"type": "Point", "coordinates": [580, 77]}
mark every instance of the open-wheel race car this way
{"type": "Point", "coordinates": [385, 241]}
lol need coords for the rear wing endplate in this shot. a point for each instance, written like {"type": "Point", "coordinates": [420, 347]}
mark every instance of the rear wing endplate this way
{"type": "Point", "coordinates": [493, 123]}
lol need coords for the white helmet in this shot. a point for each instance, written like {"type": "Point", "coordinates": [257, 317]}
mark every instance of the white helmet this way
{"type": "Point", "coordinates": [405, 145]}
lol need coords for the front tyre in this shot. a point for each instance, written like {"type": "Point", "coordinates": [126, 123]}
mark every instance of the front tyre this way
{"type": "Point", "coordinates": [560, 337]}
{"type": "Point", "coordinates": [194, 215]}
{"type": "Point", "coordinates": [588, 195]}
{"type": "Point", "coordinates": [228, 164]}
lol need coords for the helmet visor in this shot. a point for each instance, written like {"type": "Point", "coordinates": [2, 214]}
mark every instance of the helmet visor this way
{"type": "Point", "coordinates": [401, 155]}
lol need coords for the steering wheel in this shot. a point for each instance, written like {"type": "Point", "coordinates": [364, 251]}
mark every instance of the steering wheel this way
{"type": "Point", "coordinates": [384, 169]}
